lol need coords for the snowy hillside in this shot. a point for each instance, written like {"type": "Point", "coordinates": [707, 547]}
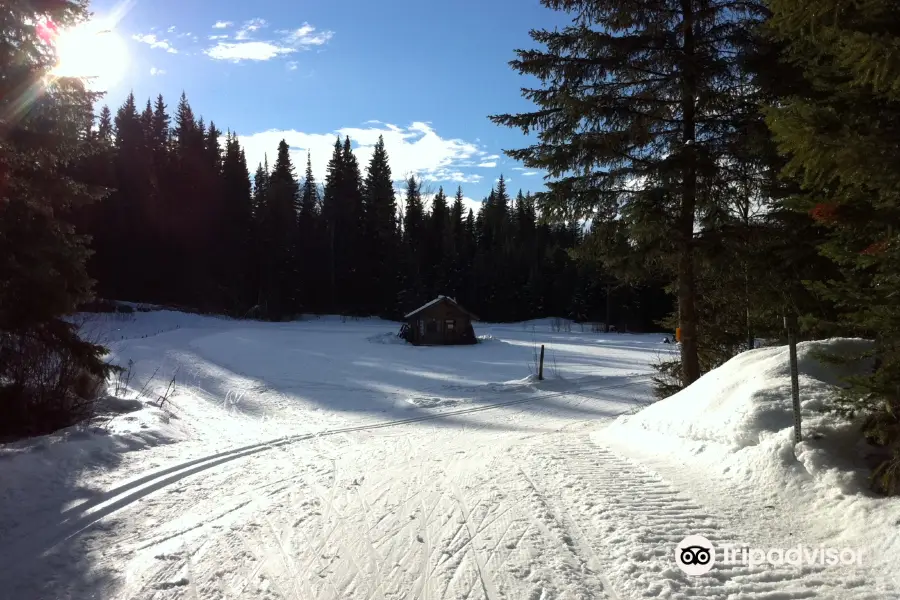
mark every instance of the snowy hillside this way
{"type": "Point", "coordinates": [322, 459]}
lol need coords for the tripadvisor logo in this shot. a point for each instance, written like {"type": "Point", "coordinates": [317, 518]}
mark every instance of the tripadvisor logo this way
{"type": "Point", "coordinates": [696, 555]}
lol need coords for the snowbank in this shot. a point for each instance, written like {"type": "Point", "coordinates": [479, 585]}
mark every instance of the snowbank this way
{"type": "Point", "coordinates": [729, 436]}
{"type": "Point", "coordinates": [743, 412]}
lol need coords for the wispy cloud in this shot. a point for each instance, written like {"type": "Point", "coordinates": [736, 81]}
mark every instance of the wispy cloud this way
{"type": "Point", "coordinates": [289, 42]}
{"type": "Point", "coordinates": [151, 40]}
{"type": "Point", "coordinates": [293, 65]}
{"type": "Point", "coordinates": [306, 35]}
{"type": "Point", "coordinates": [530, 173]}
{"type": "Point", "coordinates": [414, 150]}
{"type": "Point", "coordinates": [219, 37]}
{"type": "Point", "coordinates": [223, 24]}
{"type": "Point", "coordinates": [154, 72]}
{"type": "Point", "coordinates": [250, 27]}
{"type": "Point", "coordinates": [488, 165]}
{"type": "Point", "coordinates": [171, 29]}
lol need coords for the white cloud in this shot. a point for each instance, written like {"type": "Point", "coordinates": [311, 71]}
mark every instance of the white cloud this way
{"type": "Point", "coordinates": [250, 27]}
{"type": "Point", "coordinates": [415, 150]}
{"type": "Point", "coordinates": [530, 173]}
{"type": "Point", "coordinates": [246, 51]}
{"type": "Point", "coordinates": [219, 37]}
{"type": "Point", "coordinates": [488, 165]}
{"type": "Point", "coordinates": [152, 41]}
{"type": "Point", "coordinates": [293, 65]}
{"type": "Point", "coordinates": [259, 50]}
{"type": "Point", "coordinates": [307, 36]}
{"type": "Point", "coordinates": [519, 169]}
{"type": "Point", "coordinates": [171, 29]}
{"type": "Point", "coordinates": [154, 71]}
{"type": "Point", "coordinates": [223, 24]}
{"type": "Point", "coordinates": [492, 157]}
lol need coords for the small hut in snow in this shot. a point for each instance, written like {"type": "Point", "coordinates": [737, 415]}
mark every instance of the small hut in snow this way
{"type": "Point", "coordinates": [441, 322]}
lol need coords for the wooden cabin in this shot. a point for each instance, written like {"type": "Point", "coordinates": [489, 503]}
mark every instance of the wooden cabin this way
{"type": "Point", "coordinates": [441, 322]}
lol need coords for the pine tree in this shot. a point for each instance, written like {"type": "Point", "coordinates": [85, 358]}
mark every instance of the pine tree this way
{"type": "Point", "coordinates": [279, 238]}
{"type": "Point", "coordinates": [381, 239]}
{"type": "Point", "coordinates": [332, 218]}
{"type": "Point", "coordinates": [840, 136]}
{"type": "Point", "coordinates": [43, 136]}
{"type": "Point", "coordinates": [350, 248]}
{"type": "Point", "coordinates": [104, 126]}
{"type": "Point", "coordinates": [237, 273]}
{"type": "Point", "coordinates": [632, 121]}
{"type": "Point", "coordinates": [311, 274]}
{"type": "Point", "coordinates": [413, 291]}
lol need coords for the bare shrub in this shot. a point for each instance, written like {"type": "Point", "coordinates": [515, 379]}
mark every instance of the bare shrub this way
{"type": "Point", "coordinates": [50, 378]}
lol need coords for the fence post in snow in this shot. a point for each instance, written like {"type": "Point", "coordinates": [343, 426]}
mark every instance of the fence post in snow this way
{"type": "Point", "coordinates": [541, 367]}
{"type": "Point", "coordinates": [790, 323]}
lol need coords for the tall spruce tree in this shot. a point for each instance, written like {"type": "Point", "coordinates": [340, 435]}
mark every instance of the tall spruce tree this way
{"type": "Point", "coordinates": [278, 232]}
{"type": "Point", "coordinates": [381, 235]}
{"type": "Point", "coordinates": [841, 139]}
{"type": "Point", "coordinates": [43, 137]}
{"type": "Point", "coordinates": [332, 215]}
{"type": "Point", "coordinates": [311, 273]}
{"type": "Point", "coordinates": [351, 251]}
{"type": "Point", "coordinates": [632, 117]}
{"type": "Point", "coordinates": [236, 270]}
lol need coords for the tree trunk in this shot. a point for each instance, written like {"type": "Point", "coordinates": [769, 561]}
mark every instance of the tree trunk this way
{"type": "Point", "coordinates": [687, 313]}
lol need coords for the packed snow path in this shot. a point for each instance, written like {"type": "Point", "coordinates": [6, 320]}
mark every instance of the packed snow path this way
{"type": "Point", "coordinates": [460, 486]}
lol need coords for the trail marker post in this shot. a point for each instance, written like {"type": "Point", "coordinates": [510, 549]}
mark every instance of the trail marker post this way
{"type": "Point", "coordinates": [790, 323]}
{"type": "Point", "coordinates": [541, 367]}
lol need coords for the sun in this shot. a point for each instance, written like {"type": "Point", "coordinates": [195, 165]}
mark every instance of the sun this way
{"type": "Point", "coordinates": [91, 50]}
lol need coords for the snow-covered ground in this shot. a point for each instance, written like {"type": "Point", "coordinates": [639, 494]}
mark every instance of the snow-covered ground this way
{"type": "Point", "coordinates": [322, 459]}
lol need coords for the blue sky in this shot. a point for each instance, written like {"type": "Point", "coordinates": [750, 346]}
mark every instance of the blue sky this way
{"type": "Point", "coordinates": [423, 74]}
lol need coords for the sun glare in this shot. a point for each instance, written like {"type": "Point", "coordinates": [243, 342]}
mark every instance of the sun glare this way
{"type": "Point", "coordinates": [91, 50]}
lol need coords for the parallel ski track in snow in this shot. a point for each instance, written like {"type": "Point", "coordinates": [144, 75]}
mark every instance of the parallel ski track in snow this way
{"type": "Point", "coordinates": [613, 503]}
{"type": "Point", "coordinates": [79, 518]}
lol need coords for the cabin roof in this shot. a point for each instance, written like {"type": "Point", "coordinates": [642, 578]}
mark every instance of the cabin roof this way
{"type": "Point", "coordinates": [438, 300]}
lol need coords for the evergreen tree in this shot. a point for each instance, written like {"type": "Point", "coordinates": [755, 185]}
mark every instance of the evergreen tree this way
{"type": "Point", "coordinates": [237, 274]}
{"type": "Point", "coordinates": [311, 274]}
{"type": "Point", "coordinates": [104, 127]}
{"type": "Point", "coordinates": [43, 137]}
{"type": "Point", "coordinates": [840, 137]}
{"type": "Point", "coordinates": [332, 215]}
{"type": "Point", "coordinates": [381, 239]}
{"type": "Point", "coordinates": [278, 233]}
{"type": "Point", "coordinates": [632, 121]}
{"type": "Point", "coordinates": [413, 291]}
{"type": "Point", "coordinates": [350, 248]}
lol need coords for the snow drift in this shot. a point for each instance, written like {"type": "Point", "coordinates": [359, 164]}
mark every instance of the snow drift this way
{"type": "Point", "coordinates": [735, 426]}
{"type": "Point", "coordinates": [744, 408]}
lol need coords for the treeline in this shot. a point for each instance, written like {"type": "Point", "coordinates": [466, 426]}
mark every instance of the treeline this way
{"type": "Point", "coordinates": [747, 153]}
{"type": "Point", "coordinates": [186, 225]}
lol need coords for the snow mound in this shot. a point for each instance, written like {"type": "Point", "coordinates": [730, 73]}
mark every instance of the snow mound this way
{"type": "Point", "coordinates": [739, 419]}
{"type": "Point", "coordinates": [433, 402]}
{"type": "Point", "coordinates": [748, 399]}
{"type": "Point", "coordinates": [386, 338]}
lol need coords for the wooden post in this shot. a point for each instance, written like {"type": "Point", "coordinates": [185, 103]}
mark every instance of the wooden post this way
{"type": "Point", "coordinates": [541, 367]}
{"type": "Point", "coordinates": [790, 323]}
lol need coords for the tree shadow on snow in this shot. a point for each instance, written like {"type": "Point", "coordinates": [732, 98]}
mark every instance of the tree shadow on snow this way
{"type": "Point", "coordinates": [46, 535]}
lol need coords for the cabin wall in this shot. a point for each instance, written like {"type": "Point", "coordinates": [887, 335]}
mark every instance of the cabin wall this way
{"type": "Point", "coordinates": [440, 324]}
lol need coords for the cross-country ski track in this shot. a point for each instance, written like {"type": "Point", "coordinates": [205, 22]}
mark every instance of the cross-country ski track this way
{"type": "Point", "coordinates": [375, 471]}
